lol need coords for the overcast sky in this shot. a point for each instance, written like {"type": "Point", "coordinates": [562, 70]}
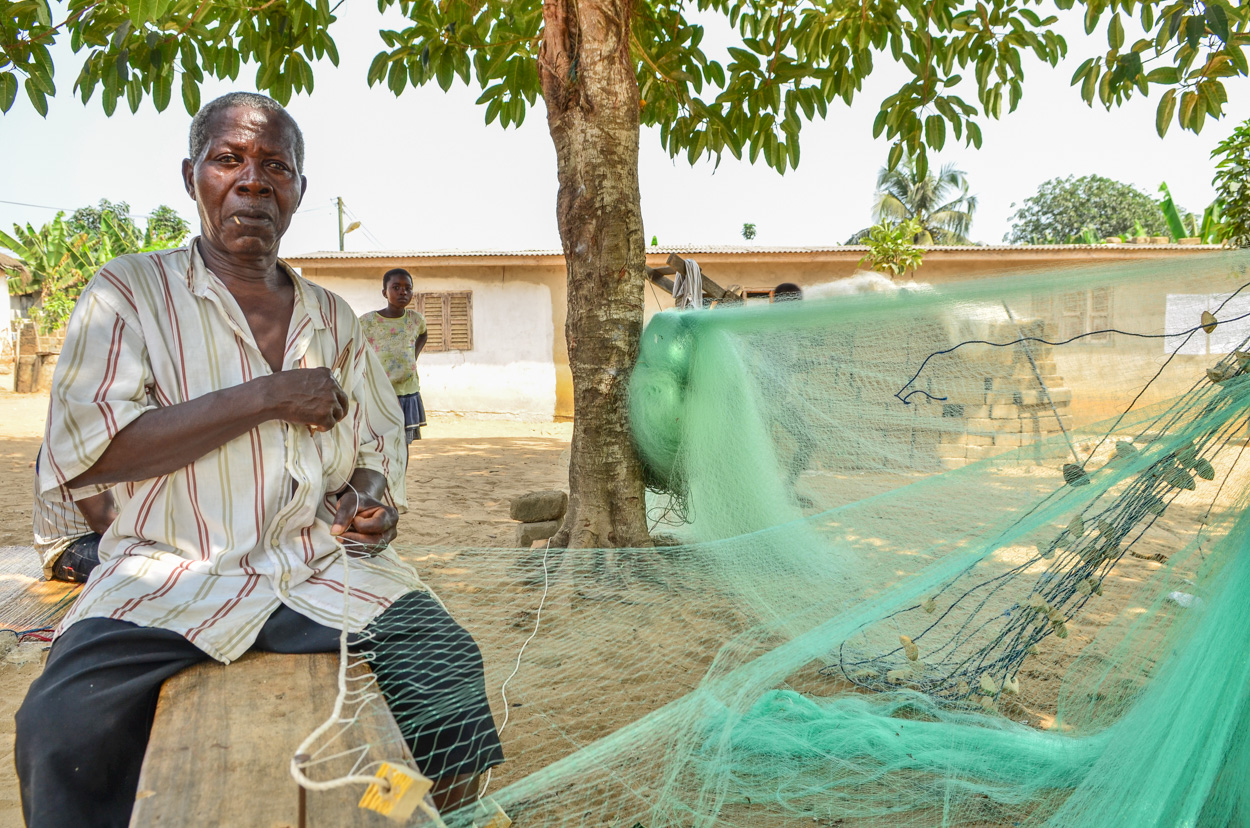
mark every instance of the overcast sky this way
{"type": "Point", "coordinates": [424, 172]}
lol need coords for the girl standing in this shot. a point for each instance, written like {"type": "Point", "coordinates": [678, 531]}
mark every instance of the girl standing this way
{"type": "Point", "coordinates": [397, 334]}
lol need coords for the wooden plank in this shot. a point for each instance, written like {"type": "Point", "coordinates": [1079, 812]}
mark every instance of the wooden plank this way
{"type": "Point", "coordinates": [222, 743]}
{"type": "Point", "coordinates": [659, 280]}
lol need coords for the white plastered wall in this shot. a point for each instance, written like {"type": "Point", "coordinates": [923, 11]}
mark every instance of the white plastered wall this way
{"type": "Point", "coordinates": [509, 373]}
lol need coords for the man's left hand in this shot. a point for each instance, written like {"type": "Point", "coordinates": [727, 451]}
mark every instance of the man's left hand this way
{"type": "Point", "coordinates": [364, 524]}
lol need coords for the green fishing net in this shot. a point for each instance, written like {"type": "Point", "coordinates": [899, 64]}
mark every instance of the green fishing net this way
{"type": "Point", "coordinates": [962, 554]}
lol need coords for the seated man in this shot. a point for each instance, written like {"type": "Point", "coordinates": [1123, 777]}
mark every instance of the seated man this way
{"type": "Point", "coordinates": [67, 535]}
{"type": "Point", "coordinates": [261, 437]}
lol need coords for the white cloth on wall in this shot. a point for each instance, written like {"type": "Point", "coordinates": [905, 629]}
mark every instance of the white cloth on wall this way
{"type": "Point", "coordinates": [688, 286]}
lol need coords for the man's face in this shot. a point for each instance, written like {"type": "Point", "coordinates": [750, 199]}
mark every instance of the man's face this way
{"type": "Point", "coordinates": [245, 182]}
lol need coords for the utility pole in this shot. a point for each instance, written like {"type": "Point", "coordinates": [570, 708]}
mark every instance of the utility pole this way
{"type": "Point", "coordinates": [340, 203]}
{"type": "Point", "coordinates": [343, 231]}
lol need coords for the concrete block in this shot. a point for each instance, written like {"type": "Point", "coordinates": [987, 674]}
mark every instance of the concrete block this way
{"type": "Point", "coordinates": [24, 381]}
{"type": "Point", "coordinates": [976, 411]}
{"type": "Point", "coordinates": [1004, 412]}
{"type": "Point", "coordinates": [44, 373]}
{"type": "Point", "coordinates": [1010, 440]}
{"type": "Point", "coordinates": [541, 506]}
{"type": "Point", "coordinates": [527, 533]}
{"type": "Point", "coordinates": [1000, 398]}
{"type": "Point", "coordinates": [979, 440]}
{"type": "Point", "coordinates": [976, 453]}
{"type": "Point", "coordinates": [948, 451]}
{"type": "Point", "coordinates": [1061, 395]}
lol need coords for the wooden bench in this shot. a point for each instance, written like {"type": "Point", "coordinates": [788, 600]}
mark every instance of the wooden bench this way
{"type": "Point", "coordinates": [221, 747]}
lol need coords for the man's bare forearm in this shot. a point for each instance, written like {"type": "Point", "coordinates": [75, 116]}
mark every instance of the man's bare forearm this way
{"type": "Point", "coordinates": [164, 440]}
{"type": "Point", "coordinates": [99, 511]}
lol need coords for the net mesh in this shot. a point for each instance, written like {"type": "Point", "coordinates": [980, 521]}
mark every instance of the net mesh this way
{"type": "Point", "coordinates": [968, 554]}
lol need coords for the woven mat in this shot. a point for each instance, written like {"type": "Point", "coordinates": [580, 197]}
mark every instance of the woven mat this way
{"type": "Point", "coordinates": [27, 601]}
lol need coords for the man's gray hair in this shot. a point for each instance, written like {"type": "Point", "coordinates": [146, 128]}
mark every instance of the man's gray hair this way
{"type": "Point", "coordinates": [250, 100]}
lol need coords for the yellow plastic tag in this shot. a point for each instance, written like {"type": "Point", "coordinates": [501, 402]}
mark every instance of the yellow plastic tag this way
{"type": "Point", "coordinates": [490, 815]}
{"type": "Point", "coordinates": [401, 796]}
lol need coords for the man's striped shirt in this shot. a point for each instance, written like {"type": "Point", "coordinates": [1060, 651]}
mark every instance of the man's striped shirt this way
{"type": "Point", "coordinates": [209, 551]}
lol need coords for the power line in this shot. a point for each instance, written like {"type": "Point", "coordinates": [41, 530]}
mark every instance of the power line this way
{"type": "Point", "coordinates": [66, 209]}
{"type": "Point", "coordinates": [364, 227]}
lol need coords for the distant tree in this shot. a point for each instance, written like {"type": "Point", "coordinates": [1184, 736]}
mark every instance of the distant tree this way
{"type": "Point", "coordinates": [1232, 186]}
{"type": "Point", "coordinates": [938, 204]}
{"type": "Point", "coordinates": [62, 255]}
{"type": "Point", "coordinates": [166, 228]}
{"type": "Point", "coordinates": [748, 231]}
{"type": "Point", "coordinates": [1067, 209]}
{"type": "Point", "coordinates": [87, 219]}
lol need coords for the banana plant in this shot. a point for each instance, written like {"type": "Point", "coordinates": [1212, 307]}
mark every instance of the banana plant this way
{"type": "Point", "coordinates": [1210, 230]}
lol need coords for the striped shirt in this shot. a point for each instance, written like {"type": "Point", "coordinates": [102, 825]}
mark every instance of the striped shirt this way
{"type": "Point", "coordinates": [56, 524]}
{"type": "Point", "coordinates": [211, 550]}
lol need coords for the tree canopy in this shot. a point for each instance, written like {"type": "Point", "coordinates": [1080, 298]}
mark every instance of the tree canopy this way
{"type": "Point", "coordinates": [1063, 209]}
{"type": "Point", "coordinates": [965, 60]}
{"type": "Point", "coordinates": [1232, 185]}
{"type": "Point", "coordinates": [603, 67]}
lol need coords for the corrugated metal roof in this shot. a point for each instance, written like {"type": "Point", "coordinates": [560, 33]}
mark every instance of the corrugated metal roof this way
{"type": "Point", "coordinates": [692, 250]}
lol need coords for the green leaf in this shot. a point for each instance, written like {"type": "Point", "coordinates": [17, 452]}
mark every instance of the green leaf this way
{"type": "Point", "coordinates": [190, 94]}
{"type": "Point", "coordinates": [377, 69]}
{"type": "Point", "coordinates": [8, 90]}
{"type": "Point", "coordinates": [1165, 75]}
{"type": "Point", "coordinates": [1217, 20]}
{"type": "Point", "coordinates": [445, 72]}
{"type": "Point", "coordinates": [162, 91]}
{"type": "Point", "coordinates": [1238, 59]}
{"type": "Point", "coordinates": [1092, 12]}
{"type": "Point", "coordinates": [896, 155]}
{"type": "Point", "coordinates": [878, 125]}
{"type": "Point", "coordinates": [1163, 116]}
{"type": "Point", "coordinates": [1115, 32]}
{"type": "Point", "coordinates": [37, 98]}
{"type": "Point", "coordinates": [1189, 103]}
{"type": "Point", "coordinates": [134, 93]}
{"type": "Point", "coordinates": [397, 78]}
{"type": "Point", "coordinates": [935, 131]}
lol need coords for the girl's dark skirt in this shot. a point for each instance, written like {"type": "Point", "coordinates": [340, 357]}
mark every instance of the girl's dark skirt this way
{"type": "Point", "coordinates": [414, 414]}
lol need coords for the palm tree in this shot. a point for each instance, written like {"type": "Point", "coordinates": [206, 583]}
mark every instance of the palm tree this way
{"type": "Point", "coordinates": [902, 195]}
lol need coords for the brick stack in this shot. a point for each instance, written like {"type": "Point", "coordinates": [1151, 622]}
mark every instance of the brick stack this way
{"type": "Point", "coordinates": [36, 361]}
{"type": "Point", "coordinates": [1000, 405]}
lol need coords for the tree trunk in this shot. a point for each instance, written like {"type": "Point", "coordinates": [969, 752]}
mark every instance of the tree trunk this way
{"type": "Point", "coordinates": [592, 100]}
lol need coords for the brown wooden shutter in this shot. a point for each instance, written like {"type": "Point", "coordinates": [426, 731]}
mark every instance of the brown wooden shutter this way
{"type": "Point", "coordinates": [460, 321]}
{"type": "Point", "coordinates": [430, 305]}
{"type": "Point", "coordinates": [448, 320]}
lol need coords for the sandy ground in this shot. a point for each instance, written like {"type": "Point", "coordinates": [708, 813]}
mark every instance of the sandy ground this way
{"type": "Point", "coordinates": [461, 478]}
{"type": "Point", "coordinates": [656, 628]}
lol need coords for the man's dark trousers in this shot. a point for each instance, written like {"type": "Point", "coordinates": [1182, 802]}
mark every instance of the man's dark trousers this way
{"type": "Point", "coordinates": [83, 728]}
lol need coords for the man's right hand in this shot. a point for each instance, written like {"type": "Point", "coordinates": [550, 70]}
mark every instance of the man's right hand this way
{"type": "Point", "coordinates": [307, 396]}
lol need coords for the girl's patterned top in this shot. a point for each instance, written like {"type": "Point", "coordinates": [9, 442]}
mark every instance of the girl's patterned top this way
{"type": "Point", "coordinates": [395, 340]}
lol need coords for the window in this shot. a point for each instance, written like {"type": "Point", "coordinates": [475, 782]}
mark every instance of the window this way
{"type": "Point", "coordinates": [1078, 312]}
{"type": "Point", "coordinates": [448, 320]}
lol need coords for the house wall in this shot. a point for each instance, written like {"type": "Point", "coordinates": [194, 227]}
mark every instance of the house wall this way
{"type": "Point", "coordinates": [513, 370]}
{"type": "Point", "coordinates": [519, 367]}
